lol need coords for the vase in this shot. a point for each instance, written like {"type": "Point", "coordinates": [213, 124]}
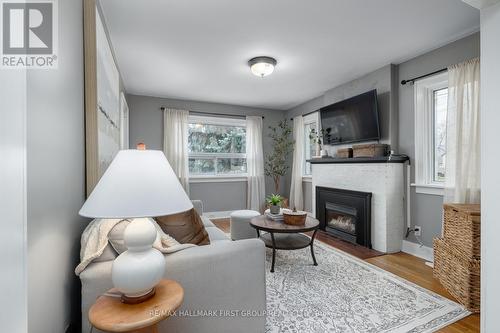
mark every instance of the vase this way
{"type": "Point", "coordinates": [274, 209]}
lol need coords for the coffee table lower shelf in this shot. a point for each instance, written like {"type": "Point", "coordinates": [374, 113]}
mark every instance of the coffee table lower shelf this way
{"type": "Point", "coordinates": [287, 241]}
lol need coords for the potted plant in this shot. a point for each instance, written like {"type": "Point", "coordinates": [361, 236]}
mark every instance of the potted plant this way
{"type": "Point", "coordinates": [317, 138]}
{"type": "Point", "coordinates": [282, 143]}
{"type": "Point", "coordinates": [274, 201]}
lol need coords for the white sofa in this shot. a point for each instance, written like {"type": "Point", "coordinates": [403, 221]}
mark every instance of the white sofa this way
{"type": "Point", "coordinates": [224, 285]}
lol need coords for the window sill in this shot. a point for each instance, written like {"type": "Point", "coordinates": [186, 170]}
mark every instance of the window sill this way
{"type": "Point", "coordinates": [432, 189]}
{"type": "Point", "coordinates": [217, 179]}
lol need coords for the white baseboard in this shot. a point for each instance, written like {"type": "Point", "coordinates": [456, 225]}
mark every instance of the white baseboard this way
{"type": "Point", "coordinates": [424, 252]}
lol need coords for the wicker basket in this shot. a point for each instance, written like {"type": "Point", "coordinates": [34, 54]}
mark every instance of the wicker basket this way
{"type": "Point", "coordinates": [294, 217]}
{"type": "Point", "coordinates": [462, 228]}
{"type": "Point", "coordinates": [459, 275]}
{"type": "Point", "coordinates": [344, 153]}
{"type": "Point", "coordinates": [369, 150]}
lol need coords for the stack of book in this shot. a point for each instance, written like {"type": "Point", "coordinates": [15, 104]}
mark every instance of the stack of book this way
{"type": "Point", "coordinates": [275, 217]}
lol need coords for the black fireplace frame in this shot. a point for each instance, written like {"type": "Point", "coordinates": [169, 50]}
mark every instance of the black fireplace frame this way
{"type": "Point", "coordinates": [360, 200]}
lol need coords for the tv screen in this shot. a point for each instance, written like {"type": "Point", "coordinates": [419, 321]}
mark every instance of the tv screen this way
{"type": "Point", "coordinates": [351, 120]}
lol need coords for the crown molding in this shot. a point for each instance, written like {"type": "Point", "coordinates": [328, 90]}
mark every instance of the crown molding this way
{"type": "Point", "coordinates": [481, 4]}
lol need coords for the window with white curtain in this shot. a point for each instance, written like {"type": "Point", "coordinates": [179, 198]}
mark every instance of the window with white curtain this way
{"type": "Point", "coordinates": [311, 121]}
{"type": "Point", "coordinates": [431, 105]}
{"type": "Point", "coordinates": [217, 146]}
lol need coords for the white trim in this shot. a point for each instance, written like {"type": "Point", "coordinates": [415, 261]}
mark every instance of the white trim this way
{"type": "Point", "coordinates": [217, 179]}
{"type": "Point", "coordinates": [124, 122]}
{"type": "Point", "coordinates": [480, 4]}
{"type": "Point", "coordinates": [424, 130]}
{"type": "Point", "coordinates": [312, 118]}
{"type": "Point", "coordinates": [307, 179]}
{"type": "Point", "coordinates": [424, 252]}
{"type": "Point", "coordinates": [217, 120]}
{"type": "Point", "coordinates": [432, 189]}
{"type": "Point", "coordinates": [13, 191]}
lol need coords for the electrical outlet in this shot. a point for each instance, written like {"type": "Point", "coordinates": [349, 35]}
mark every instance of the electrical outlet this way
{"type": "Point", "coordinates": [418, 230]}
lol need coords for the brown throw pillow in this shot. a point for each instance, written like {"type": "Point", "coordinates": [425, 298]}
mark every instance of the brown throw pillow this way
{"type": "Point", "coordinates": [185, 227]}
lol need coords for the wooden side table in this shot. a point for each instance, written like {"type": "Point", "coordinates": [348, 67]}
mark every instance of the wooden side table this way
{"type": "Point", "coordinates": [109, 314]}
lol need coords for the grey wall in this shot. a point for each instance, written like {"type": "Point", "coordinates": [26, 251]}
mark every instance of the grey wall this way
{"type": "Point", "coordinates": [307, 193]}
{"type": "Point", "coordinates": [146, 125]}
{"type": "Point", "coordinates": [426, 210]}
{"type": "Point", "coordinates": [381, 79]}
{"type": "Point", "coordinates": [397, 117]}
{"type": "Point", "coordinates": [385, 81]}
{"type": "Point", "coordinates": [55, 179]}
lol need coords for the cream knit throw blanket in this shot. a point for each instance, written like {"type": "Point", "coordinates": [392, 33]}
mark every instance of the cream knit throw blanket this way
{"type": "Point", "coordinates": [95, 239]}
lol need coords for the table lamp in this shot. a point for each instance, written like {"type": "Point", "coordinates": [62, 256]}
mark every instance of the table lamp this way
{"type": "Point", "coordinates": [138, 184]}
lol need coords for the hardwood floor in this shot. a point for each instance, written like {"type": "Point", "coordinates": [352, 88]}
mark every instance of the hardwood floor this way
{"type": "Point", "coordinates": [401, 264]}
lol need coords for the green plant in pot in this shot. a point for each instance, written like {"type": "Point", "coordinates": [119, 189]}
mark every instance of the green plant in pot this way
{"type": "Point", "coordinates": [274, 201]}
{"type": "Point", "coordinates": [282, 143]}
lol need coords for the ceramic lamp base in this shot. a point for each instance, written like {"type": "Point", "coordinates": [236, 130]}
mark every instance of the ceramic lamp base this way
{"type": "Point", "coordinates": [138, 270]}
{"type": "Point", "coordinates": [138, 299]}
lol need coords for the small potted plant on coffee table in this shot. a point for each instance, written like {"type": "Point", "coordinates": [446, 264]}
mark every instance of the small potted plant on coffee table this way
{"type": "Point", "coordinates": [274, 201]}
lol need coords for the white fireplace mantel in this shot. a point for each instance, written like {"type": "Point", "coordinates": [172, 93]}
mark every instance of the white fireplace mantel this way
{"type": "Point", "coordinates": [385, 181]}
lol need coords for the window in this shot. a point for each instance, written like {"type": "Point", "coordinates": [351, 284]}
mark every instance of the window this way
{"type": "Point", "coordinates": [431, 105]}
{"type": "Point", "coordinates": [217, 146]}
{"type": "Point", "coordinates": [440, 105]}
{"type": "Point", "coordinates": [310, 122]}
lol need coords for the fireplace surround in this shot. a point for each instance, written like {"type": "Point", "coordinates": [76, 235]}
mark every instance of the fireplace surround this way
{"type": "Point", "coordinates": [345, 214]}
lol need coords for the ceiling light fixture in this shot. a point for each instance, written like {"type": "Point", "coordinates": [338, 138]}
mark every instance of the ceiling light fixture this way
{"type": "Point", "coordinates": [262, 66]}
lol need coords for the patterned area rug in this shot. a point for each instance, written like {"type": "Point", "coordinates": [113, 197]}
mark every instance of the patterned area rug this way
{"type": "Point", "coordinates": [346, 294]}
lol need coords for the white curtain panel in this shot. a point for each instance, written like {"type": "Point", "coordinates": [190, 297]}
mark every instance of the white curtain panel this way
{"type": "Point", "coordinates": [463, 146]}
{"type": "Point", "coordinates": [256, 189]}
{"type": "Point", "coordinates": [296, 194]}
{"type": "Point", "coordinates": [175, 143]}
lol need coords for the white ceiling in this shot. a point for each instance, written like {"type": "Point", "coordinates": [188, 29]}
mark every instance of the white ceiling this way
{"type": "Point", "coordinates": [198, 49]}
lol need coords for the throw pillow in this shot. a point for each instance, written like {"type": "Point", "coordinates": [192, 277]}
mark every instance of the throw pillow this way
{"type": "Point", "coordinates": [185, 227]}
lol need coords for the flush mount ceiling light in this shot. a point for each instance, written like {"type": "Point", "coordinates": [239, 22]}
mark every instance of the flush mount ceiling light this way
{"type": "Point", "coordinates": [262, 66]}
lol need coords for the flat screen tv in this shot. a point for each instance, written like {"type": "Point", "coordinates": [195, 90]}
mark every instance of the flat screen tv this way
{"type": "Point", "coordinates": [351, 120]}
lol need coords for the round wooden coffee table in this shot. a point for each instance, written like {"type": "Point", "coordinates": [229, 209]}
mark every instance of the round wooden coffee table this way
{"type": "Point", "coordinates": [109, 314]}
{"type": "Point", "coordinates": [281, 236]}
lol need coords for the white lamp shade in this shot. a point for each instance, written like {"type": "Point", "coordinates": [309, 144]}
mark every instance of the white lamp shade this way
{"type": "Point", "coordinates": [138, 183]}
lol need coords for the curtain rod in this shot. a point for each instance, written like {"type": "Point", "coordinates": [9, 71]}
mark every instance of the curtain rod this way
{"type": "Point", "coordinates": [163, 108]}
{"type": "Point", "coordinates": [306, 114]}
{"type": "Point", "coordinates": [422, 76]}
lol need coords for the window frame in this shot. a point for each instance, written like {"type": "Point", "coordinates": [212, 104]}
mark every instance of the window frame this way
{"type": "Point", "coordinates": [425, 132]}
{"type": "Point", "coordinates": [312, 118]}
{"type": "Point", "coordinates": [221, 121]}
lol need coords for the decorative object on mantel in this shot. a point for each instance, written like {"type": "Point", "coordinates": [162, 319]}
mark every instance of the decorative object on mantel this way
{"type": "Point", "coordinates": [457, 256]}
{"type": "Point", "coordinates": [275, 165]}
{"type": "Point", "coordinates": [398, 159]}
{"type": "Point", "coordinates": [317, 138]}
{"type": "Point", "coordinates": [138, 184]}
{"type": "Point", "coordinates": [274, 201]}
{"type": "Point", "coordinates": [344, 153]}
{"type": "Point", "coordinates": [294, 217]}
{"type": "Point", "coordinates": [370, 150]}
